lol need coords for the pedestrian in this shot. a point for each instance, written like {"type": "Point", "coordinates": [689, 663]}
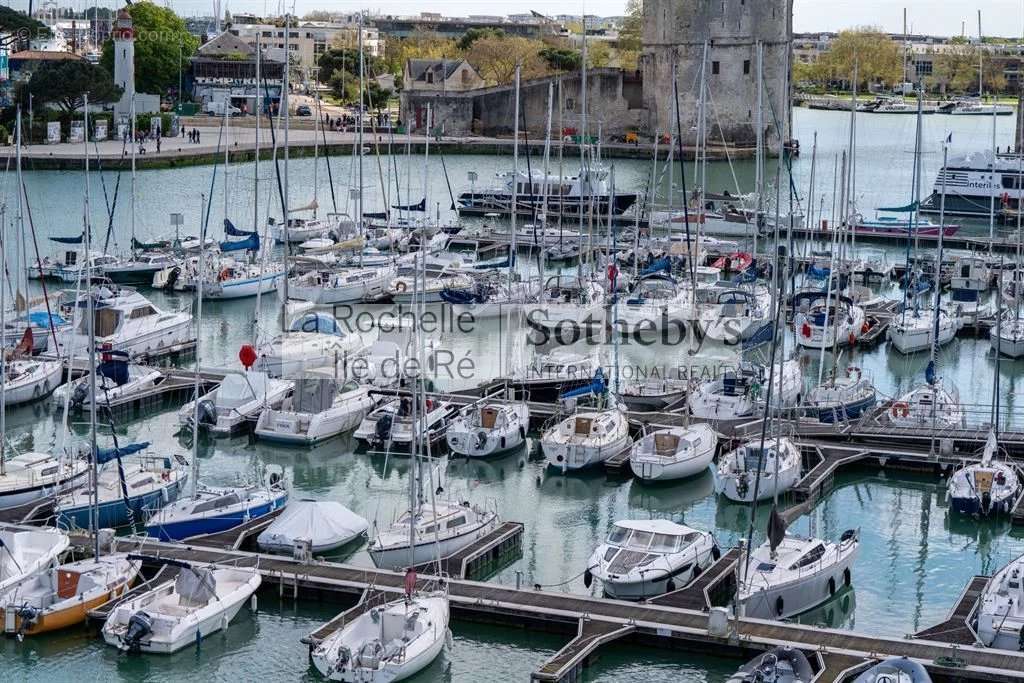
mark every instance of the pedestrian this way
{"type": "Point", "coordinates": [157, 144]}
{"type": "Point", "coordinates": [197, 136]}
{"type": "Point", "coordinates": [183, 131]}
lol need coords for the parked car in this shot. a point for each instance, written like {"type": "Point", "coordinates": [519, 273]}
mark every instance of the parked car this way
{"type": "Point", "coordinates": [303, 110]}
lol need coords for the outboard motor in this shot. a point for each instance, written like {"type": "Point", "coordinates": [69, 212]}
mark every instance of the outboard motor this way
{"type": "Point", "coordinates": [140, 625]}
{"type": "Point", "coordinates": [382, 430]}
{"type": "Point", "coordinates": [172, 278]}
{"type": "Point", "coordinates": [27, 616]}
{"type": "Point", "coordinates": [207, 412]}
{"type": "Point", "coordinates": [79, 394]}
{"type": "Point", "coordinates": [481, 440]}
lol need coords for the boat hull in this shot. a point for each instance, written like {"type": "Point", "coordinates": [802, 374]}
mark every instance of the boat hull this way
{"type": "Point", "coordinates": [428, 550]}
{"type": "Point", "coordinates": [116, 513]}
{"type": "Point", "coordinates": [177, 531]}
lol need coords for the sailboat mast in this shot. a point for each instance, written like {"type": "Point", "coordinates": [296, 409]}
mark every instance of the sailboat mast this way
{"type": "Point", "coordinates": [256, 159]}
{"type": "Point", "coordinates": [513, 209]}
{"type": "Point", "coordinates": [3, 326]}
{"type": "Point", "coordinates": [199, 321]}
{"type": "Point", "coordinates": [131, 203]}
{"type": "Point", "coordinates": [287, 153]}
{"type": "Point", "coordinates": [94, 521]}
{"type": "Point", "coordinates": [359, 131]}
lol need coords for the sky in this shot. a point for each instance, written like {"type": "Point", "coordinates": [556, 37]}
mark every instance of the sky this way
{"type": "Point", "coordinates": [937, 17]}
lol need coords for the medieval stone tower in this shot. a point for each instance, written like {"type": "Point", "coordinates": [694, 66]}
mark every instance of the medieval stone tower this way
{"type": "Point", "coordinates": [124, 61]}
{"type": "Point", "coordinates": [677, 31]}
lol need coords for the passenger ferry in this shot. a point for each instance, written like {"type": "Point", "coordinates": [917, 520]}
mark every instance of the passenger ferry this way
{"type": "Point", "coordinates": [971, 184]}
{"type": "Point", "coordinates": [588, 192]}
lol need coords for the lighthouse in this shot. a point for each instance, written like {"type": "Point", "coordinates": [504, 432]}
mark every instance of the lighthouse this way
{"type": "Point", "coordinates": [124, 61]}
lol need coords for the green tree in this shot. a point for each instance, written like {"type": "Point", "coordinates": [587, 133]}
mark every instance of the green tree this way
{"type": "Point", "coordinates": [376, 97]}
{"type": "Point", "coordinates": [599, 54]}
{"type": "Point", "coordinates": [160, 38]}
{"type": "Point", "coordinates": [877, 58]}
{"type": "Point", "coordinates": [66, 82]}
{"type": "Point", "coordinates": [475, 34]}
{"type": "Point", "coordinates": [13, 21]}
{"type": "Point", "coordinates": [631, 31]}
{"type": "Point", "coordinates": [958, 67]}
{"type": "Point", "coordinates": [561, 58]}
{"type": "Point", "coordinates": [343, 86]}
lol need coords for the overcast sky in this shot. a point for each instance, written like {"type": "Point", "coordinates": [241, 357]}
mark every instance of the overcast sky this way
{"type": "Point", "coordinates": [942, 17]}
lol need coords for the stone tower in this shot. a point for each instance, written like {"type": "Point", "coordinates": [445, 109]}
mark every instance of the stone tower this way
{"type": "Point", "coordinates": [124, 61]}
{"type": "Point", "coordinates": [677, 30]}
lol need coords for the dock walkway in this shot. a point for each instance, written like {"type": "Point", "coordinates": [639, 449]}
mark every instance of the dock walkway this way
{"type": "Point", "coordinates": [700, 594]}
{"type": "Point", "coordinates": [957, 628]}
{"type": "Point", "coordinates": [566, 664]}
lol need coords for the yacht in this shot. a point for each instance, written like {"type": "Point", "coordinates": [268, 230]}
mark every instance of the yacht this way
{"type": "Point", "coordinates": [587, 437]}
{"type": "Point", "coordinates": [325, 525]}
{"type": "Point", "coordinates": [313, 340]}
{"type": "Point", "coordinates": [734, 315]}
{"type": "Point", "coordinates": [433, 281]}
{"type": "Point", "coordinates": [116, 379]}
{"type": "Point", "coordinates": [819, 320]}
{"type": "Point", "coordinates": [897, 105]}
{"type": "Point", "coordinates": [350, 285]}
{"type": "Point", "coordinates": [238, 399]}
{"type": "Point", "coordinates": [654, 302]}
{"type": "Point", "coordinates": [741, 392]}
{"type": "Point", "coordinates": [1008, 336]}
{"type": "Point", "coordinates": [568, 300]}
{"type": "Point", "coordinates": [588, 192]}
{"type": "Point", "coordinates": [299, 230]}
{"type": "Point", "coordinates": [201, 601]}
{"type": "Point", "coordinates": [898, 226]}
{"type": "Point", "coordinates": [973, 181]}
{"type": "Point", "coordinates": [987, 487]}
{"type": "Point", "coordinates": [439, 529]}
{"type": "Point", "coordinates": [842, 398]}
{"type": "Point", "coordinates": [796, 575]}
{"type": "Point", "coordinates": [644, 558]}
{"type": "Point", "coordinates": [674, 453]}
{"type": "Point", "coordinates": [126, 321]}
{"type": "Point", "coordinates": [915, 330]}
{"type": "Point", "coordinates": [140, 269]}
{"type": "Point", "coordinates": [777, 465]}
{"type": "Point", "coordinates": [390, 426]}
{"type": "Point", "coordinates": [931, 405]}
{"type": "Point", "coordinates": [1001, 609]}
{"type": "Point", "coordinates": [319, 408]}
{"type": "Point", "coordinates": [553, 373]}
{"type": "Point", "coordinates": [233, 279]}
{"type": "Point", "coordinates": [488, 428]}
{"type": "Point", "coordinates": [975, 107]}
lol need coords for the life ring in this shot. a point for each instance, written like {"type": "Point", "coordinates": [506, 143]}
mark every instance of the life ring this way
{"type": "Point", "coordinates": [865, 328]}
{"type": "Point", "coordinates": [900, 409]}
{"type": "Point", "coordinates": [224, 275]}
{"type": "Point", "coordinates": [401, 286]}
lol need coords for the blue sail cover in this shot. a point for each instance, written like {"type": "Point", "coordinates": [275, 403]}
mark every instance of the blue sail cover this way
{"type": "Point", "coordinates": [105, 455]}
{"type": "Point", "coordinates": [44, 319]}
{"type": "Point", "coordinates": [597, 387]}
{"type": "Point", "coordinates": [929, 372]}
{"type": "Point", "coordinates": [662, 264]}
{"type": "Point", "coordinates": [252, 243]}
{"type": "Point", "coordinates": [231, 231]}
{"type": "Point", "coordinates": [114, 367]}
{"type": "Point", "coordinates": [69, 240]}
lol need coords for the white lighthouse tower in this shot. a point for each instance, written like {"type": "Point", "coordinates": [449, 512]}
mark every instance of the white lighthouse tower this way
{"type": "Point", "coordinates": [124, 61]}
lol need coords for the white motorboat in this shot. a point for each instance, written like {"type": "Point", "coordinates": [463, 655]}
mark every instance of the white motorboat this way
{"type": "Point", "coordinates": [390, 426]}
{"type": "Point", "coordinates": [915, 330]}
{"type": "Point", "coordinates": [1007, 338]}
{"type": "Point", "coordinates": [587, 437]}
{"type": "Point", "coordinates": [797, 575]}
{"type": "Point", "coordinates": [116, 379]}
{"type": "Point", "coordinates": [817, 324]}
{"type": "Point", "coordinates": [239, 398]}
{"type": "Point", "coordinates": [487, 428]}
{"type": "Point", "coordinates": [201, 601]}
{"type": "Point", "coordinates": [388, 642]}
{"type": "Point", "coordinates": [30, 379]}
{"type": "Point", "coordinates": [318, 409]}
{"type": "Point", "coordinates": [438, 529]}
{"type": "Point", "coordinates": [538, 190]}
{"type": "Point", "coordinates": [313, 340]}
{"type": "Point", "coordinates": [324, 525]}
{"type": "Point", "coordinates": [31, 476]}
{"type": "Point", "coordinates": [984, 488]}
{"type": "Point", "coordinates": [62, 595]}
{"type": "Point", "coordinates": [782, 664]}
{"type": "Point", "coordinates": [674, 453]}
{"type": "Point", "coordinates": [1001, 610]}
{"type": "Point", "coordinates": [567, 300]}
{"type": "Point", "coordinates": [927, 406]}
{"type": "Point", "coordinates": [127, 321]}
{"type": "Point", "coordinates": [347, 286]}
{"type": "Point", "coordinates": [776, 465]}
{"type": "Point", "coordinates": [644, 558]}
{"type": "Point", "coordinates": [26, 554]}
{"type": "Point", "coordinates": [741, 392]}
{"type": "Point", "coordinates": [733, 315]}
{"type": "Point", "coordinates": [843, 398]}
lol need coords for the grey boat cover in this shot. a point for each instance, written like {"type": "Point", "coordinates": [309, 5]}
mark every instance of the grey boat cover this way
{"type": "Point", "coordinates": [196, 586]}
{"type": "Point", "coordinates": [780, 664]}
{"type": "Point", "coordinates": [327, 524]}
{"type": "Point", "coordinates": [890, 670]}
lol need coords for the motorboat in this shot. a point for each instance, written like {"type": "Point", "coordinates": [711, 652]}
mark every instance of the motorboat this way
{"type": "Point", "coordinates": [740, 392]}
{"type": "Point", "coordinates": [124, 490]}
{"type": "Point", "coordinates": [795, 575]}
{"type": "Point", "coordinates": [319, 408]}
{"type": "Point", "coordinates": [822, 321]}
{"type": "Point", "coordinates": [842, 398]}
{"type": "Point", "coordinates": [391, 641]}
{"type": "Point", "coordinates": [782, 664]}
{"type": "Point", "coordinates": [126, 321]}
{"type": "Point", "coordinates": [210, 510]}
{"type": "Point", "coordinates": [390, 426]}
{"type": "Point", "coordinates": [324, 525]}
{"type": "Point", "coordinates": [440, 529]}
{"type": "Point", "coordinates": [199, 602]}
{"type": "Point", "coordinates": [758, 472]}
{"type": "Point", "coordinates": [898, 226]}
{"type": "Point", "coordinates": [674, 453]}
{"type": "Point", "coordinates": [32, 476]}
{"type": "Point", "coordinates": [313, 340]}
{"type": "Point", "coordinates": [567, 300]}
{"type": "Point", "coordinates": [27, 553]}
{"type": "Point", "coordinates": [644, 558]}
{"type": "Point", "coordinates": [116, 379]}
{"type": "Point", "coordinates": [62, 595]}
{"type": "Point", "coordinates": [734, 315]}
{"type": "Point", "coordinates": [895, 670]}
{"type": "Point", "coordinates": [585, 438]}
{"type": "Point", "coordinates": [139, 269]}
{"type": "Point", "coordinates": [488, 427]}
{"type": "Point", "coordinates": [915, 330]}
{"type": "Point", "coordinates": [346, 286]}
{"type": "Point", "coordinates": [1000, 619]}
{"type": "Point", "coordinates": [238, 399]}
{"type": "Point", "coordinates": [931, 405]}
{"type": "Point", "coordinates": [29, 379]}
{"type": "Point", "coordinates": [975, 107]}
{"type": "Point", "coordinates": [987, 487]}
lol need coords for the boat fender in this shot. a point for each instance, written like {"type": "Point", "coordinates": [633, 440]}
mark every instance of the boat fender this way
{"type": "Point", "coordinates": [522, 431]}
{"type": "Point", "coordinates": [37, 391]}
{"type": "Point", "coordinates": [670, 586]}
{"type": "Point", "coordinates": [588, 578]}
{"type": "Point", "coordinates": [847, 577]}
{"type": "Point", "coordinates": [831, 586]}
{"type": "Point", "coordinates": [779, 605]}
{"type": "Point", "coordinates": [716, 553]}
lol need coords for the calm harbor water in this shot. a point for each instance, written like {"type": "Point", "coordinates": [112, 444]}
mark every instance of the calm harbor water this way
{"type": "Point", "coordinates": [914, 559]}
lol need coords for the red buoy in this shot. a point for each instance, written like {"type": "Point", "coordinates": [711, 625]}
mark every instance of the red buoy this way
{"type": "Point", "coordinates": [247, 354]}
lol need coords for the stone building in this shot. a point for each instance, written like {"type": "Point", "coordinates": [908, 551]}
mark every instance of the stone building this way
{"type": "Point", "coordinates": [224, 71]}
{"type": "Point", "coordinates": [442, 75]}
{"type": "Point", "coordinates": [677, 31]}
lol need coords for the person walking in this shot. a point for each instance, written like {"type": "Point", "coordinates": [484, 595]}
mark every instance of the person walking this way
{"type": "Point", "coordinates": [157, 144]}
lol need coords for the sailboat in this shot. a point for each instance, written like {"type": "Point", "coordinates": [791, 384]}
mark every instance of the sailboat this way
{"type": "Point", "coordinates": [488, 427]}
{"type": "Point", "coordinates": [739, 392]}
{"type": "Point", "coordinates": [26, 553]}
{"type": "Point", "coordinates": [674, 453]}
{"type": "Point", "coordinates": [1001, 609]}
{"type": "Point", "coordinates": [590, 435]}
{"type": "Point", "coordinates": [984, 488]}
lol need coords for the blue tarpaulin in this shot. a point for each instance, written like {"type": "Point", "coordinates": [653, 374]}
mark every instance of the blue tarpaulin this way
{"type": "Point", "coordinates": [252, 242]}
{"type": "Point", "coordinates": [597, 387]}
{"type": "Point", "coordinates": [104, 455]}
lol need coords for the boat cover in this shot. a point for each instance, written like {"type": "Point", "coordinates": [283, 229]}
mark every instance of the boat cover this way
{"type": "Point", "coordinates": [196, 586]}
{"type": "Point", "coordinates": [327, 524]}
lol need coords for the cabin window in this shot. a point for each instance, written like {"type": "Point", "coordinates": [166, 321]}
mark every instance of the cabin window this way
{"type": "Point", "coordinates": [1011, 182]}
{"type": "Point", "coordinates": [142, 312]}
{"type": "Point", "coordinates": [746, 67]}
{"type": "Point", "coordinates": [663, 543]}
{"type": "Point", "coordinates": [429, 530]}
{"type": "Point", "coordinates": [640, 539]}
{"type": "Point", "coordinates": [618, 535]}
{"type": "Point", "coordinates": [714, 68]}
{"type": "Point", "coordinates": [458, 521]}
{"type": "Point", "coordinates": [107, 320]}
{"type": "Point", "coordinates": [47, 471]}
{"type": "Point", "coordinates": [812, 556]}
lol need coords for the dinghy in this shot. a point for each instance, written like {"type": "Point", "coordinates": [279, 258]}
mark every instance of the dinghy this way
{"type": "Point", "coordinates": [25, 554]}
{"type": "Point", "coordinates": [174, 615]}
{"type": "Point", "coordinates": [487, 428]}
{"type": "Point", "coordinates": [776, 464]}
{"type": "Point", "coordinates": [325, 525]}
{"type": "Point", "coordinates": [984, 488]}
{"type": "Point", "coordinates": [644, 558]}
{"type": "Point", "coordinates": [781, 664]}
{"type": "Point", "coordinates": [675, 453]}
{"type": "Point", "coordinates": [62, 595]}
{"type": "Point", "coordinates": [895, 670]}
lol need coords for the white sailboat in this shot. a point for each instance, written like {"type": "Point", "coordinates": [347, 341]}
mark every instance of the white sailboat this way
{"type": "Point", "coordinates": [984, 488]}
{"type": "Point", "coordinates": [1001, 610]}
{"type": "Point", "coordinates": [758, 472]}
{"type": "Point", "coordinates": [26, 554]}
{"type": "Point", "coordinates": [487, 428]}
{"type": "Point", "coordinates": [674, 453]}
